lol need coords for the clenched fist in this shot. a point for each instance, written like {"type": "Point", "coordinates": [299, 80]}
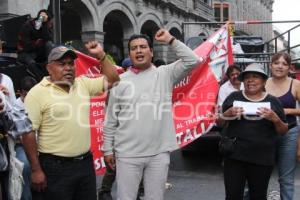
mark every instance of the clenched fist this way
{"type": "Point", "coordinates": [95, 49]}
{"type": "Point", "coordinates": [163, 35]}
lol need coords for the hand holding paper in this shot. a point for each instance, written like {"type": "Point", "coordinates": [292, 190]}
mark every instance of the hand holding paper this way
{"type": "Point", "coordinates": [251, 108]}
{"type": "Point", "coordinates": [233, 112]}
{"type": "Point", "coordinates": [268, 114]}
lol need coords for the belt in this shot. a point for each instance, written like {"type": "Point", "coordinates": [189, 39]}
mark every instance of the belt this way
{"type": "Point", "coordinates": [66, 159]}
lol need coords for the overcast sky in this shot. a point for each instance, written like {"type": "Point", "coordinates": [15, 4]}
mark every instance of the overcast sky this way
{"type": "Point", "coordinates": [287, 10]}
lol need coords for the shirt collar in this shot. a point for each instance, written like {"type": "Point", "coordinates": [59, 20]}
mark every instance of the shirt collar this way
{"type": "Point", "coordinates": [241, 86]}
{"type": "Point", "coordinates": [136, 70]}
{"type": "Point", "coordinates": [46, 82]}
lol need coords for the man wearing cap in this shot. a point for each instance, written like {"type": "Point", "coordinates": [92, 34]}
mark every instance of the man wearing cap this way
{"type": "Point", "coordinates": [61, 163]}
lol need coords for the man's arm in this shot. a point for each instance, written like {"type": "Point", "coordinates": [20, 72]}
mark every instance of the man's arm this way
{"type": "Point", "coordinates": [38, 177]}
{"type": "Point", "coordinates": [110, 126]}
{"type": "Point", "coordinates": [108, 69]}
{"type": "Point", "coordinates": [188, 60]}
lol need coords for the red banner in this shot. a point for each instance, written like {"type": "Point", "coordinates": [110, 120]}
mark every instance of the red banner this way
{"type": "Point", "coordinates": [88, 66]}
{"type": "Point", "coordinates": [194, 97]}
{"type": "Point", "coordinates": [96, 122]}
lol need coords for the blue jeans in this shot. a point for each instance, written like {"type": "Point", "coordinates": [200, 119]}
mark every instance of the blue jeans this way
{"type": "Point", "coordinates": [287, 162]}
{"type": "Point", "coordinates": [20, 154]}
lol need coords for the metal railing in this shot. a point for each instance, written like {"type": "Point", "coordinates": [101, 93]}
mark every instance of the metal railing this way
{"type": "Point", "coordinates": [245, 59]}
{"type": "Point", "coordinates": [265, 57]}
{"type": "Point", "coordinates": [268, 52]}
{"type": "Point", "coordinates": [268, 44]}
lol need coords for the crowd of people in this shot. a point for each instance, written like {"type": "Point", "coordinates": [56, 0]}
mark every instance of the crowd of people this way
{"type": "Point", "coordinates": [55, 135]}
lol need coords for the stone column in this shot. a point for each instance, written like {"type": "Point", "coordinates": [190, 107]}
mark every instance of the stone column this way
{"type": "Point", "coordinates": [125, 47]}
{"type": "Point", "coordinates": [166, 16]}
{"type": "Point", "coordinates": [161, 52]}
{"type": "Point", "coordinates": [92, 35]}
{"type": "Point", "coordinates": [139, 7]}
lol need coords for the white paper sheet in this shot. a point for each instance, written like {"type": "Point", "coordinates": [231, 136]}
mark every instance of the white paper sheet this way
{"type": "Point", "coordinates": [251, 108]}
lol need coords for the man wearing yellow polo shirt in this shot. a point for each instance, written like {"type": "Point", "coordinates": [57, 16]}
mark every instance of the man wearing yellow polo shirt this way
{"type": "Point", "coordinates": [61, 164]}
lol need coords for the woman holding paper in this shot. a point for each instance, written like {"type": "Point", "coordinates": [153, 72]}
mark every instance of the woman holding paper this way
{"type": "Point", "coordinates": [288, 92]}
{"type": "Point", "coordinates": [255, 134]}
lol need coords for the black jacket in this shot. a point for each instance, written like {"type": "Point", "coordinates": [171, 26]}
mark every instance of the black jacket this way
{"type": "Point", "coordinates": [30, 39]}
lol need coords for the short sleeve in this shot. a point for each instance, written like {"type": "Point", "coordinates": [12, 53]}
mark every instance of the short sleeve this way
{"type": "Point", "coordinates": [33, 108]}
{"type": "Point", "coordinates": [228, 102]}
{"type": "Point", "coordinates": [95, 86]}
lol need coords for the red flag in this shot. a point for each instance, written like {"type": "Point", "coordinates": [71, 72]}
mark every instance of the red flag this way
{"type": "Point", "coordinates": [195, 97]}
{"type": "Point", "coordinates": [89, 66]}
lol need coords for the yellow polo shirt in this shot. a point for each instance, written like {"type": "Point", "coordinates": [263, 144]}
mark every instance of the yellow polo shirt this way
{"type": "Point", "coordinates": [62, 118]}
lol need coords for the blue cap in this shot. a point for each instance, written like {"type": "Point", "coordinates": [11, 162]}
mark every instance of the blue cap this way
{"type": "Point", "coordinates": [126, 63]}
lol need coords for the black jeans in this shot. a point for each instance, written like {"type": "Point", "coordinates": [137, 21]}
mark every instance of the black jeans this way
{"type": "Point", "coordinates": [69, 180]}
{"type": "Point", "coordinates": [236, 173]}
